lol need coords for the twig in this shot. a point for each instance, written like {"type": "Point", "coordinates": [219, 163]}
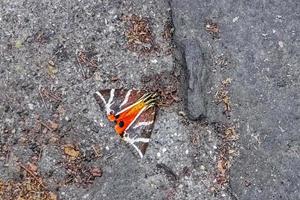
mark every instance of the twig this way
{"type": "Point", "coordinates": [42, 97]}
{"type": "Point", "coordinates": [34, 176]}
{"type": "Point", "coordinates": [44, 124]}
{"type": "Point", "coordinates": [79, 62]}
{"type": "Point", "coordinates": [96, 152]}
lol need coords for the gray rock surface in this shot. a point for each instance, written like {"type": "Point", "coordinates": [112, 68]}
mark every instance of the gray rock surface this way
{"type": "Point", "coordinates": [43, 78]}
{"type": "Point", "coordinates": [196, 76]}
{"type": "Point", "coordinates": [258, 48]}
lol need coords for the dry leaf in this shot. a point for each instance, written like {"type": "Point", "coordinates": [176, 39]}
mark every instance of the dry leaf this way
{"type": "Point", "coordinates": [230, 133]}
{"type": "Point", "coordinates": [53, 140]}
{"type": "Point", "coordinates": [28, 187]}
{"type": "Point", "coordinates": [221, 167]}
{"type": "Point", "coordinates": [53, 125]}
{"type": "Point", "coordinates": [96, 172]}
{"type": "Point", "coordinates": [18, 44]}
{"type": "Point", "coordinates": [52, 70]}
{"type": "Point", "coordinates": [32, 167]}
{"type": "Point", "coordinates": [71, 151]}
{"type": "Point", "coordinates": [52, 196]}
{"type": "Point", "coordinates": [139, 34]}
{"type": "Point", "coordinates": [213, 28]}
{"type": "Point", "coordinates": [226, 82]}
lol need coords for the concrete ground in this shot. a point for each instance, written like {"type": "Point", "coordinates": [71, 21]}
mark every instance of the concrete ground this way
{"type": "Point", "coordinates": [56, 143]}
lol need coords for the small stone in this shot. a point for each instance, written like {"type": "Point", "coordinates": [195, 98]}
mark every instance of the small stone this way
{"type": "Point", "coordinates": [235, 19]}
{"type": "Point", "coordinates": [22, 140]}
{"type": "Point", "coordinates": [111, 28]}
{"type": "Point", "coordinates": [97, 76]}
{"type": "Point", "coordinates": [154, 61]}
{"type": "Point", "coordinates": [52, 70]}
{"type": "Point", "coordinates": [53, 140]}
{"type": "Point", "coordinates": [112, 11]}
{"type": "Point", "coordinates": [53, 125]}
{"type": "Point", "coordinates": [196, 74]}
{"type": "Point", "coordinates": [101, 124]}
{"type": "Point", "coordinates": [182, 113]}
{"type": "Point", "coordinates": [280, 43]}
{"type": "Point", "coordinates": [31, 106]}
{"type": "Point", "coordinates": [18, 44]}
{"type": "Point", "coordinates": [50, 62]}
{"type": "Point", "coordinates": [202, 167]}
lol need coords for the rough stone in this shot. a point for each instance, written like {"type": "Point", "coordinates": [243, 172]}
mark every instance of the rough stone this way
{"type": "Point", "coordinates": [196, 76]}
{"type": "Point", "coordinates": [41, 79]}
{"type": "Point", "coordinates": [256, 48]}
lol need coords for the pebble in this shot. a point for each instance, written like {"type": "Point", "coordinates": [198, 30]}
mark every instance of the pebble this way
{"type": "Point", "coordinates": [111, 28]}
{"type": "Point", "coordinates": [154, 61]}
{"type": "Point", "coordinates": [235, 19]}
{"type": "Point", "coordinates": [31, 106]}
{"type": "Point", "coordinates": [280, 43]}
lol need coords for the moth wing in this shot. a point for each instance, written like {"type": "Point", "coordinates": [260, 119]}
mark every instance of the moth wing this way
{"type": "Point", "coordinates": [117, 98]}
{"type": "Point", "coordinates": [130, 97]}
{"type": "Point", "coordinates": [142, 127]}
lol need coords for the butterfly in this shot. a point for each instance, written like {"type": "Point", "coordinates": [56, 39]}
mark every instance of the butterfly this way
{"type": "Point", "coordinates": [133, 113]}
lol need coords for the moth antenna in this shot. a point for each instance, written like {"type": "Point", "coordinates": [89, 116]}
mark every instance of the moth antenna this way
{"type": "Point", "coordinates": [150, 105]}
{"type": "Point", "coordinates": [147, 97]}
{"type": "Point", "coordinates": [154, 95]}
{"type": "Point", "coordinates": [143, 97]}
{"type": "Point", "coordinates": [150, 101]}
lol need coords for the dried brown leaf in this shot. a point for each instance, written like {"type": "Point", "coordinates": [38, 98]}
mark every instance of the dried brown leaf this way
{"type": "Point", "coordinates": [221, 167]}
{"type": "Point", "coordinates": [71, 151]}
{"type": "Point", "coordinates": [54, 126]}
{"type": "Point", "coordinates": [32, 167]}
{"type": "Point", "coordinates": [52, 196]}
{"type": "Point", "coordinates": [96, 172]}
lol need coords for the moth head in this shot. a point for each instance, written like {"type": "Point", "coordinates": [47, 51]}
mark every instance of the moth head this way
{"type": "Point", "coordinates": [111, 116]}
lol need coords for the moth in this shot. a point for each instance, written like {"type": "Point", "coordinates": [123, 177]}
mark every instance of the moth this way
{"type": "Point", "coordinates": [132, 112]}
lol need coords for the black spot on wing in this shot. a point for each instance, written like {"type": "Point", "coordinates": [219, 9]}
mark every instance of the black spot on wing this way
{"type": "Point", "coordinates": [121, 124]}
